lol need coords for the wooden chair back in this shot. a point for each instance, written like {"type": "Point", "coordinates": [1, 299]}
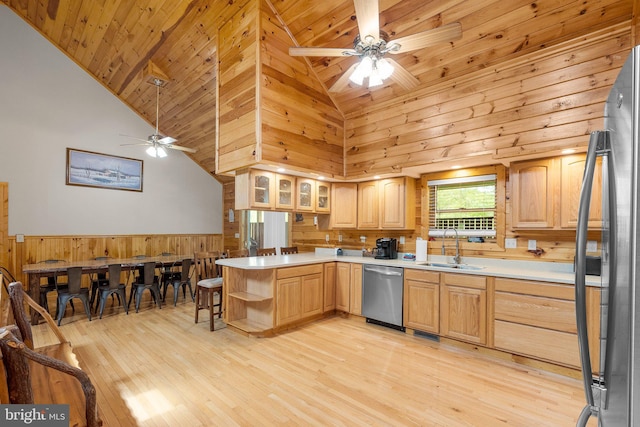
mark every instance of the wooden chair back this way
{"type": "Point", "coordinates": [17, 298]}
{"type": "Point", "coordinates": [289, 250]}
{"type": "Point", "coordinates": [206, 267]}
{"type": "Point", "coordinates": [237, 253]}
{"type": "Point", "coordinates": [266, 252]}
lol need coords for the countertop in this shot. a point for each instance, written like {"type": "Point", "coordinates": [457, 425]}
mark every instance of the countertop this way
{"type": "Point", "coordinates": [525, 270]}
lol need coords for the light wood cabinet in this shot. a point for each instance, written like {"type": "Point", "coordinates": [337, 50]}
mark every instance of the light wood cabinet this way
{"type": "Point", "coordinates": [285, 196]}
{"type": "Point", "coordinates": [255, 189]}
{"type": "Point", "coordinates": [249, 299]}
{"type": "Point", "coordinates": [329, 286]}
{"type": "Point", "coordinates": [463, 307]}
{"type": "Point", "coordinates": [299, 293]}
{"type": "Point", "coordinates": [572, 171]}
{"type": "Point", "coordinates": [349, 287]}
{"type": "Point", "coordinates": [387, 204]}
{"type": "Point", "coordinates": [532, 186]}
{"type": "Point", "coordinates": [368, 205]}
{"type": "Point", "coordinates": [345, 205]}
{"type": "Point", "coordinates": [343, 286]}
{"type": "Point", "coordinates": [397, 203]}
{"type": "Point", "coordinates": [546, 193]}
{"type": "Point", "coordinates": [306, 191]}
{"type": "Point", "coordinates": [538, 319]}
{"type": "Point", "coordinates": [355, 292]}
{"type": "Point", "coordinates": [323, 197]}
{"type": "Point", "coordinates": [422, 300]}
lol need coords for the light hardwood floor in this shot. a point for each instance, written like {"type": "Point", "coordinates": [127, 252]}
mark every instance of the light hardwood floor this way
{"type": "Point", "coordinates": [158, 368]}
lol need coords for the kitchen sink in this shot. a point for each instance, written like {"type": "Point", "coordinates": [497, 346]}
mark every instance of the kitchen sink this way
{"type": "Point", "coordinates": [455, 266]}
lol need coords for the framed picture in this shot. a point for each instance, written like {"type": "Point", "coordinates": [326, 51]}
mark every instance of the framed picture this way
{"type": "Point", "coordinates": [90, 169]}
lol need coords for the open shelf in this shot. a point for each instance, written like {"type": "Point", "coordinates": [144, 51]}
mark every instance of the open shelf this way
{"type": "Point", "coordinates": [249, 297]}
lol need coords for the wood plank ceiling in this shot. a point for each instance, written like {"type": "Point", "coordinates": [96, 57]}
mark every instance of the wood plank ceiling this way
{"type": "Point", "coordinates": [115, 40]}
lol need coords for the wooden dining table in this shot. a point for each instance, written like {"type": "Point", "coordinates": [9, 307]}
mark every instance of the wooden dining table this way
{"type": "Point", "coordinates": [35, 272]}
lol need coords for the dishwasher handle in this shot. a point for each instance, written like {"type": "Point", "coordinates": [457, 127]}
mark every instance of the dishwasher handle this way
{"type": "Point", "coordinates": [385, 271]}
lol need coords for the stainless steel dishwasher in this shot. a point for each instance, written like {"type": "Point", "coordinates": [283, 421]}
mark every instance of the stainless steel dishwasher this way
{"type": "Point", "coordinates": [382, 295]}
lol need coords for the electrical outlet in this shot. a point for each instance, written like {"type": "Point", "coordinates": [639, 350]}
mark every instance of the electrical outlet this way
{"type": "Point", "coordinates": [326, 238]}
{"type": "Point", "coordinates": [19, 238]}
{"type": "Point", "coordinates": [363, 239]}
{"type": "Point", "coordinates": [237, 235]}
{"type": "Point", "coordinates": [402, 240]}
{"type": "Point", "coordinates": [510, 243]}
{"type": "Point", "coordinates": [532, 245]}
{"type": "Point", "coordinates": [592, 246]}
{"type": "Point", "coordinates": [340, 238]}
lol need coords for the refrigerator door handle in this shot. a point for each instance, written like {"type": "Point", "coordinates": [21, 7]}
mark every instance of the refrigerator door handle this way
{"type": "Point", "coordinates": [597, 141]}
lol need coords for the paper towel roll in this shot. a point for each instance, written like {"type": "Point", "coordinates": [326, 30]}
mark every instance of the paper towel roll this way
{"type": "Point", "coordinates": [421, 250]}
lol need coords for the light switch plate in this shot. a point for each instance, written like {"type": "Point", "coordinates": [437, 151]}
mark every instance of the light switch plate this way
{"type": "Point", "coordinates": [592, 246]}
{"type": "Point", "coordinates": [402, 240]}
{"type": "Point", "coordinates": [532, 245]}
{"type": "Point", "coordinates": [19, 238]}
{"type": "Point", "coordinates": [510, 243]}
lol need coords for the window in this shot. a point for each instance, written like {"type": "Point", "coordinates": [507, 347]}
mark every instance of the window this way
{"type": "Point", "coordinates": [466, 204]}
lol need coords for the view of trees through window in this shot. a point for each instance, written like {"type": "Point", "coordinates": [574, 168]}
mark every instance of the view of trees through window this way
{"type": "Point", "coordinates": [468, 206]}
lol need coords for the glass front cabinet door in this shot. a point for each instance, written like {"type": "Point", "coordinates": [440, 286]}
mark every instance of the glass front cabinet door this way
{"type": "Point", "coordinates": [306, 194]}
{"type": "Point", "coordinates": [285, 190]}
{"type": "Point", "coordinates": [323, 190]}
{"type": "Point", "coordinates": [262, 184]}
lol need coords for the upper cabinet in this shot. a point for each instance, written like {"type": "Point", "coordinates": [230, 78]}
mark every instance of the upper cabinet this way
{"type": "Point", "coordinates": [255, 189]}
{"type": "Point", "coordinates": [387, 204]}
{"type": "Point", "coordinates": [545, 193]}
{"type": "Point", "coordinates": [263, 190]}
{"type": "Point", "coordinates": [285, 192]}
{"type": "Point", "coordinates": [345, 202]}
{"type": "Point", "coordinates": [306, 190]}
{"type": "Point", "coordinates": [323, 197]}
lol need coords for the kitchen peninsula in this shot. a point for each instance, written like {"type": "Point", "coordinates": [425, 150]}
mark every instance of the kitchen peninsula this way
{"type": "Point", "coordinates": [492, 303]}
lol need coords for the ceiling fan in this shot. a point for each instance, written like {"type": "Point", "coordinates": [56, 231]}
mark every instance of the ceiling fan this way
{"type": "Point", "coordinates": [371, 46]}
{"type": "Point", "coordinates": [157, 142]}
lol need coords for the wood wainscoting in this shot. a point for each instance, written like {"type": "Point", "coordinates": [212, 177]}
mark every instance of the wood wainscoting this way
{"type": "Point", "coordinates": [72, 248]}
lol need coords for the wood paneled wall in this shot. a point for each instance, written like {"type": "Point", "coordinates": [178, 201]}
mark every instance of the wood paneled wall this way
{"type": "Point", "coordinates": [73, 248]}
{"type": "Point", "coordinates": [301, 128]}
{"type": "Point", "coordinates": [534, 106]}
{"type": "Point", "coordinates": [238, 141]}
{"type": "Point", "coordinates": [271, 107]}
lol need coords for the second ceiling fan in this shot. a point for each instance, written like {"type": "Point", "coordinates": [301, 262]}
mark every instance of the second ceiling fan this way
{"type": "Point", "coordinates": [371, 45]}
{"type": "Point", "coordinates": [158, 142]}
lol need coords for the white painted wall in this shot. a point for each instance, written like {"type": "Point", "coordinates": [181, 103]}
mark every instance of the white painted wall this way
{"type": "Point", "coordinates": [48, 103]}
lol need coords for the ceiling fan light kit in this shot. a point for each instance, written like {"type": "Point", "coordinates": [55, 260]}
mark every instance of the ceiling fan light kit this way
{"type": "Point", "coordinates": [156, 152]}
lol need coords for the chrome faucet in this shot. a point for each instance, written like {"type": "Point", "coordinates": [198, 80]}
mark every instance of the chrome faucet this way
{"type": "Point", "coordinates": [456, 259]}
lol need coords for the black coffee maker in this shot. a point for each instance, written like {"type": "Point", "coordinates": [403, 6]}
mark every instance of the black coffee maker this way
{"type": "Point", "coordinates": [386, 248]}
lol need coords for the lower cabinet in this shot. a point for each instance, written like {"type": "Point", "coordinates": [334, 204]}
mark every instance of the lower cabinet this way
{"type": "Point", "coordinates": [463, 307]}
{"type": "Point", "coordinates": [422, 300]}
{"type": "Point", "coordinates": [329, 286]}
{"type": "Point", "coordinates": [349, 287]}
{"type": "Point", "coordinates": [538, 319]}
{"type": "Point", "coordinates": [299, 292]}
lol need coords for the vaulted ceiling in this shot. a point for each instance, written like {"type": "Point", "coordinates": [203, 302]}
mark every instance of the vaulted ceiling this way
{"type": "Point", "coordinates": [120, 42]}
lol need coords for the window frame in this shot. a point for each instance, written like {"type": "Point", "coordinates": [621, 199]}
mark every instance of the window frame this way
{"type": "Point", "coordinates": [500, 218]}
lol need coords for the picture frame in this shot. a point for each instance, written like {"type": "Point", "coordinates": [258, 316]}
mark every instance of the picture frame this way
{"type": "Point", "coordinates": [90, 169]}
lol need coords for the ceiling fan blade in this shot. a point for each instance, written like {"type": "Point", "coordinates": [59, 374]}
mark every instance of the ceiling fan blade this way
{"type": "Point", "coordinates": [401, 76]}
{"type": "Point", "coordinates": [166, 140]}
{"type": "Point", "coordinates": [367, 12]}
{"type": "Point", "coordinates": [180, 148]}
{"type": "Point", "coordinates": [343, 80]}
{"type": "Point", "coordinates": [321, 51]}
{"type": "Point", "coordinates": [446, 33]}
{"type": "Point", "coordinates": [142, 143]}
{"type": "Point", "coordinates": [134, 137]}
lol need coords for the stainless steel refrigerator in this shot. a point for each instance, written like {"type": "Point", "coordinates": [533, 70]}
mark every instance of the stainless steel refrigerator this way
{"type": "Point", "coordinates": [613, 395]}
